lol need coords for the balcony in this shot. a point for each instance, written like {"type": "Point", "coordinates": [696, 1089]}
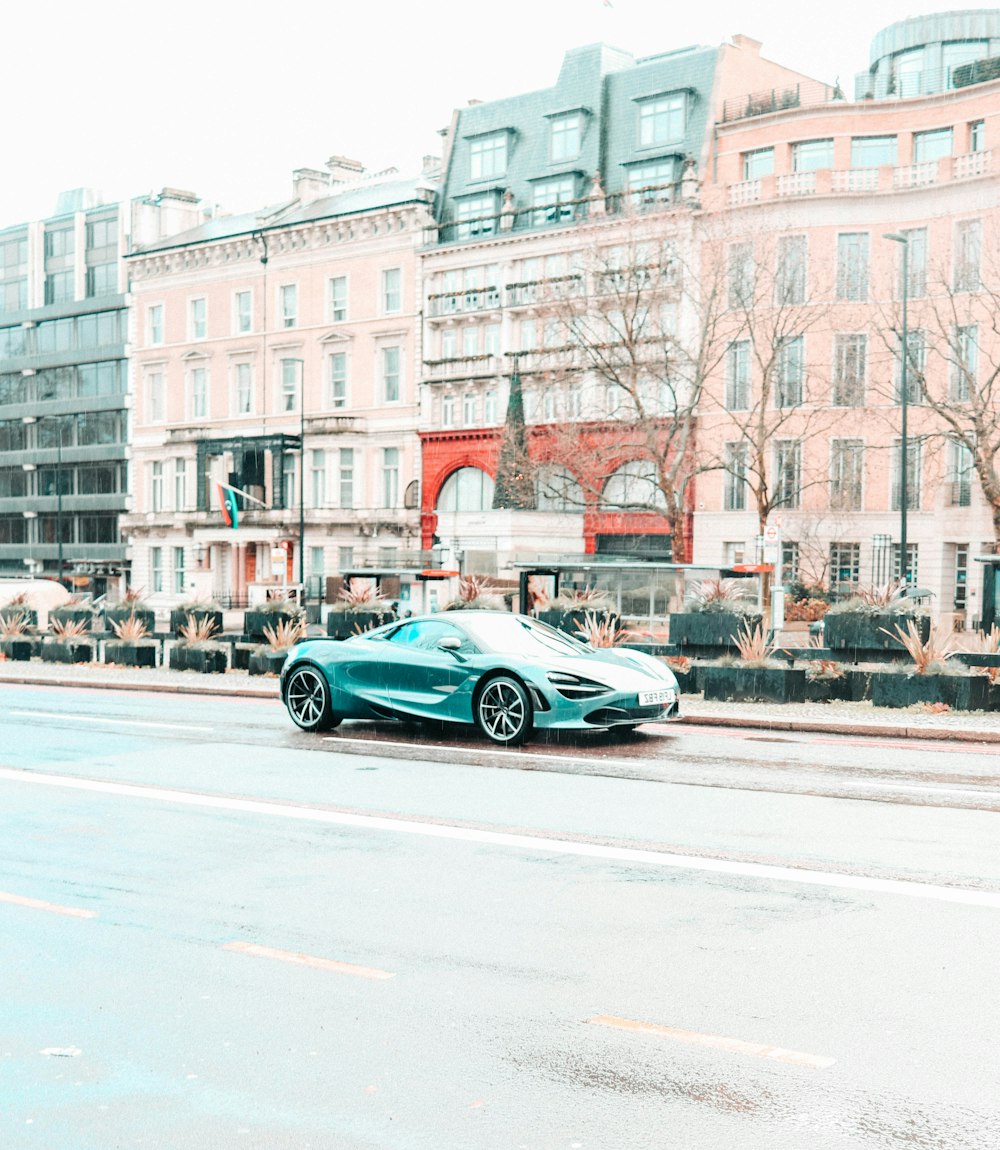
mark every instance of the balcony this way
{"type": "Point", "coordinates": [461, 367]}
{"type": "Point", "coordinates": [535, 292]}
{"type": "Point", "coordinates": [915, 175]}
{"type": "Point", "coordinates": [806, 94]}
{"type": "Point", "coordinates": [442, 304]}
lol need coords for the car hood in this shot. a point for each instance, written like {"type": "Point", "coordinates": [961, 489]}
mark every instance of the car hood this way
{"type": "Point", "coordinates": [621, 670]}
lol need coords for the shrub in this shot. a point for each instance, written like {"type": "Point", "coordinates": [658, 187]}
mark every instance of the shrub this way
{"type": "Point", "coordinates": [129, 629]}
{"type": "Point", "coordinates": [679, 663]}
{"type": "Point", "coordinates": [878, 599]}
{"type": "Point", "coordinates": [986, 643]}
{"type": "Point", "coordinates": [754, 649]}
{"type": "Point", "coordinates": [474, 593]}
{"type": "Point", "coordinates": [805, 610]}
{"type": "Point", "coordinates": [196, 631]}
{"type": "Point", "coordinates": [600, 631]}
{"type": "Point", "coordinates": [21, 599]}
{"type": "Point", "coordinates": [69, 630]}
{"type": "Point", "coordinates": [13, 626]}
{"type": "Point", "coordinates": [575, 597]}
{"type": "Point", "coordinates": [928, 658]}
{"type": "Point", "coordinates": [727, 595]}
{"type": "Point", "coordinates": [362, 595]}
{"type": "Point", "coordinates": [284, 634]}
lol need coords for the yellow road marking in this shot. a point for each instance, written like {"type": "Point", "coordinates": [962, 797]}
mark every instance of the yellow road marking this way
{"type": "Point", "coordinates": [734, 1045]}
{"type": "Point", "coordinates": [51, 907]}
{"type": "Point", "coordinates": [307, 960]}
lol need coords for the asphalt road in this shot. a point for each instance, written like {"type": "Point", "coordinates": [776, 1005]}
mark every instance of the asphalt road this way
{"type": "Point", "coordinates": [219, 932]}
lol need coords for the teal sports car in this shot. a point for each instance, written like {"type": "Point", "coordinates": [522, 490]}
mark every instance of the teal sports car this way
{"type": "Point", "coordinates": [507, 674]}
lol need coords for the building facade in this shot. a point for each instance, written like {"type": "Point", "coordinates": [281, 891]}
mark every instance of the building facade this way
{"type": "Point", "coordinates": [64, 414]}
{"type": "Point", "coordinates": [276, 357]}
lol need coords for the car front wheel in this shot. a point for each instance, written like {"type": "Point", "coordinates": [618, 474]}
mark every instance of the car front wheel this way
{"type": "Point", "coordinates": [307, 698]}
{"type": "Point", "coordinates": [503, 711]}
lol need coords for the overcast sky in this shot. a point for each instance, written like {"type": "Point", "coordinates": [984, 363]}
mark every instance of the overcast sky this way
{"type": "Point", "coordinates": [226, 98]}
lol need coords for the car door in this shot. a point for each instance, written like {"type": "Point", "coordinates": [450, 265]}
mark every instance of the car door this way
{"type": "Point", "coordinates": [421, 675]}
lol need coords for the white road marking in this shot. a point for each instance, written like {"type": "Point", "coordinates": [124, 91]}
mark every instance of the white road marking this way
{"type": "Point", "coordinates": [524, 842]}
{"type": "Point", "coordinates": [51, 907]}
{"type": "Point", "coordinates": [98, 719]}
{"type": "Point", "coordinates": [717, 1042]}
{"type": "Point", "coordinates": [536, 757]}
{"type": "Point", "coordinates": [312, 960]}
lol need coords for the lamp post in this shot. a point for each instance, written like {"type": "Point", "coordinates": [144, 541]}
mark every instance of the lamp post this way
{"type": "Point", "coordinates": [36, 419]}
{"type": "Point", "coordinates": [302, 477]}
{"type": "Point", "coordinates": [904, 495]}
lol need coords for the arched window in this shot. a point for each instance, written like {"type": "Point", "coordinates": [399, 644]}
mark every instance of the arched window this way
{"type": "Point", "coordinates": [468, 489]}
{"type": "Point", "coordinates": [633, 486]}
{"type": "Point", "coordinates": [556, 489]}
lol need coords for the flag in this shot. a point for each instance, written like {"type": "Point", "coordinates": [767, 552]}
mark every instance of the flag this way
{"type": "Point", "coordinates": [230, 508]}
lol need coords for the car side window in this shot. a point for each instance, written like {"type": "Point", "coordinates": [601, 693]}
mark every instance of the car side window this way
{"type": "Point", "coordinates": [426, 634]}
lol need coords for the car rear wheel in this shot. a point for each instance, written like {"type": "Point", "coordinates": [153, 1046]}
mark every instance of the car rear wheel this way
{"type": "Point", "coordinates": [503, 711]}
{"type": "Point", "coordinates": [307, 698]}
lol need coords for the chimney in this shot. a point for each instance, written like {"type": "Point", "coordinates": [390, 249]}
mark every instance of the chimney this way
{"type": "Point", "coordinates": [309, 184]}
{"type": "Point", "coordinates": [747, 42]}
{"type": "Point", "coordinates": [342, 169]}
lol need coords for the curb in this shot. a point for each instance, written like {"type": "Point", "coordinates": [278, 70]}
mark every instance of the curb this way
{"type": "Point", "coordinates": [162, 688]}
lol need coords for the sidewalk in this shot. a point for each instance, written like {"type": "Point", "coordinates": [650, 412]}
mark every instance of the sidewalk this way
{"type": "Point", "coordinates": [840, 718]}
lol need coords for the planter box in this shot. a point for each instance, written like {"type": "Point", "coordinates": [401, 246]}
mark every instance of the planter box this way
{"type": "Point", "coordinates": [864, 635]}
{"type": "Point", "coordinates": [267, 662]}
{"type": "Point", "coordinates": [344, 624]}
{"type": "Point", "coordinates": [828, 690]}
{"type": "Point", "coordinates": [53, 652]}
{"type": "Point", "coordinates": [130, 654]}
{"type": "Point", "coordinates": [28, 614]}
{"type": "Point", "coordinates": [17, 650]}
{"type": "Point", "coordinates": [204, 660]}
{"type": "Point", "coordinates": [571, 619]}
{"type": "Point", "coordinates": [687, 681]}
{"type": "Point", "coordinates": [93, 619]}
{"type": "Point", "coordinates": [120, 614]}
{"type": "Point", "coordinates": [241, 653]}
{"type": "Point", "coordinates": [254, 623]}
{"type": "Point", "coordinates": [960, 692]}
{"type": "Point", "coordinates": [754, 684]}
{"type": "Point", "coordinates": [179, 618]}
{"type": "Point", "coordinates": [859, 686]}
{"type": "Point", "coordinates": [714, 631]}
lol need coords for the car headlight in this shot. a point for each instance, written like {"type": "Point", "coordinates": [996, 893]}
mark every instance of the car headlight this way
{"type": "Point", "coordinates": [575, 686]}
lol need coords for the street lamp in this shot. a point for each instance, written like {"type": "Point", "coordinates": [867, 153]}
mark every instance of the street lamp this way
{"type": "Point", "coordinates": [904, 398]}
{"type": "Point", "coordinates": [302, 477]}
{"type": "Point", "coordinates": [36, 419]}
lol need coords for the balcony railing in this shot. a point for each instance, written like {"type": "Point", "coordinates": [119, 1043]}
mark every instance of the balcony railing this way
{"type": "Point", "coordinates": [856, 180]}
{"type": "Point", "coordinates": [461, 367]}
{"type": "Point", "coordinates": [805, 94]}
{"type": "Point", "coordinates": [915, 175]}
{"type": "Point", "coordinates": [542, 291]}
{"type": "Point", "coordinates": [457, 302]}
{"type": "Point", "coordinates": [796, 184]}
{"type": "Point", "coordinates": [973, 164]}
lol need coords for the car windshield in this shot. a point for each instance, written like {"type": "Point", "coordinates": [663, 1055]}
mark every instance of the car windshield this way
{"type": "Point", "coordinates": [517, 634]}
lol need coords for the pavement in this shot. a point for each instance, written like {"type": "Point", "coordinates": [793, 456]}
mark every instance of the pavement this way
{"type": "Point", "coordinates": [838, 718]}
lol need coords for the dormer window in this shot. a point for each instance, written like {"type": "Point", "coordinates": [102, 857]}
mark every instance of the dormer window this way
{"type": "Point", "coordinates": [662, 120]}
{"type": "Point", "coordinates": [488, 156]}
{"type": "Point", "coordinates": [565, 136]}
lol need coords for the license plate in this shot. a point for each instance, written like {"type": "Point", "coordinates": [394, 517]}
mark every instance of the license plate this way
{"type": "Point", "coordinates": [652, 698]}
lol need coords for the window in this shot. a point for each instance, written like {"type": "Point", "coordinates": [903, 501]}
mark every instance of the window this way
{"type": "Point", "coordinates": [179, 571]}
{"type": "Point", "coordinates": [787, 472]}
{"type": "Point", "coordinates": [156, 568]}
{"type": "Point", "coordinates": [489, 408]}
{"type": "Point", "coordinates": [791, 277]}
{"type": "Point", "coordinates": [469, 410]}
{"type": "Point", "coordinates": [155, 405]}
{"type": "Point", "coordinates": [961, 569]}
{"type": "Point", "coordinates": [961, 474]}
{"type": "Point", "coordinates": [199, 393]}
{"type": "Point", "coordinates": [392, 297]}
{"type": "Point", "coordinates": [977, 135]}
{"type": "Point", "coordinates": [529, 335]}
{"type": "Point", "coordinates": [852, 266]}
{"type": "Point", "coordinates": [318, 459]}
{"type": "Point", "coordinates": [288, 304]}
{"type": "Point", "coordinates": [102, 234]}
{"type": "Point", "coordinates": [475, 216]}
{"type": "Point", "coordinates": [154, 323]}
{"type": "Point", "coordinates": [735, 492]}
{"type": "Point", "coordinates": [758, 163]}
{"type": "Point", "coordinates": [968, 236]}
{"type": "Point", "coordinates": [58, 287]}
{"type": "Point", "coordinates": [914, 470]}
{"type": "Point", "coordinates": [565, 137]}
{"type": "Point", "coordinates": [811, 155]}
{"type": "Point", "coordinates": [468, 489]}
{"type": "Point", "coordinates": [850, 353]}
{"type": "Point", "coordinates": [345, 558]}
{"type": "Point", "coordinates": [180, 484]}
{"type": "Point", "coordinates": [345, 477]}
{"type": "Point", "coordinates": [449, 343]}
{"type": "Point", "coordinates": [391, 389]}
{"type": "Point", "coordinates": [928, 146]}
{"type": "Point", "coordinates": [966, 362]}
{"type": "Point", "coordinates": [291, 377]}
{"type": "Point", "coordinates": [907, 73]}
{"type": "Point", "coordinates": [661, 120]}
{"type": "Point", "coordinates": [338, 379]}
{"type": "Point", "coordinates": [488, 156]}
{"type": "Point", "coordinates": [242, 312]}
{"type": "Point", "coordinates": [491, 339]}
{"type": "Point", "coordinates": [633, 485]}
{"type": "Point", "coordinates": [791, 372]}
{"type": "Point", "coordinates": [846, 474]}
{"type": "Point", "coordinates": [916, 263]}
{"type": "Point", "coordinates": [873, 151]}
{"type": "Point", "coordinates": [916, 362]}
{"type": "Point", "coordinates": [390, 476]}
{"type": "Point", "coordinates": [911, 563]}
{"type": "Point", "coordinates": [338, 299]}
{"type": "Point", "coordinates": [156, 487]}
{"type": "Point", "coordinates": [447, 411]}
{"type": "Point", "coordinates": [845, 566]}
{"type": "Point", "coordinates": [197, 318]}
{"type": "Point", "coordinates": [553, 200]}
{"type": "Point", "coordinates": [244, 388]}
{"type": "Point", "coordinates": [470, 341]}
{"type": "Point", "coordinates": [789, 561]}
{"type": "Point", "coordinates": [741, 275]}
{"type": "Point", "coordinates": [102, 279]}
{"type": "Point", "coordinates": [738, 376]}
{"type": "Point", "coordinates": [652, 183]}
{"type": "Point", "coordinates": [59, 243]}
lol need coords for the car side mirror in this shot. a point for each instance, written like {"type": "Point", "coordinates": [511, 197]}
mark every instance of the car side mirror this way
{"type": "Point", "coordinates": [450, 643]}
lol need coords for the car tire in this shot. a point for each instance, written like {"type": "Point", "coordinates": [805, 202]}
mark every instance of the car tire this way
{"type": "Point", "coordinates": [307, 697]}
{"type": "Point", "coordinates": [503, 711]}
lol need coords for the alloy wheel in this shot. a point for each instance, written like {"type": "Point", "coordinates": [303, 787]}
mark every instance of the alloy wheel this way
{"type": "Point", "coordinates": [307, 698]}
{"type": "Point", "coordinates": [503, 711]}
